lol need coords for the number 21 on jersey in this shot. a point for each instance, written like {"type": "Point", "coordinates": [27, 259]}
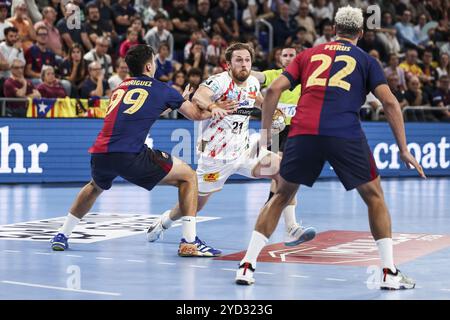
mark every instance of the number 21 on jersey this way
{"type": "Point", "coordinates": [337, 79]}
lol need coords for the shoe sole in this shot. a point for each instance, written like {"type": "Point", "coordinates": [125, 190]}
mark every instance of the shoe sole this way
{"type": "Point", "coordinates": [398, 288]}
{"type": "Point", "coordinates": [308, 235]}
{"type": "Point", "coordinates": [243, 282]}
{"type": "Point", "coordinates": [58, 247]}
{"type": "Point", "coordinates": [198, 255]}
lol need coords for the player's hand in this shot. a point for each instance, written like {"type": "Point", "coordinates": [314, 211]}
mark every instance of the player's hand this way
{"type": "Point", "coordinates": [409, 160]}
{"type": "Point", "coordinates": [228, 105]}
{"type": "Point", "coordinates": [187, 92]}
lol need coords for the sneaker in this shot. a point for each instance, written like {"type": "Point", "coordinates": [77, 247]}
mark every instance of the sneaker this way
{"type": "Point", "coordinates": [298, 234]}
{"type": "Point", "coordinates": [198, 248]}
{"type": "Point", "coordinates": [155, 230]}
{"type": "Point", "coordinates": [395, 281]}
{"type": "Point", "coordinates": [244, 275]}
{"type": "Point", "coordinates": [60, 242]}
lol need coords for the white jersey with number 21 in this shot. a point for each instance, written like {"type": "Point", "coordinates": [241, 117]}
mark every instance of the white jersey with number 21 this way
{"type": "Point", "coordinates": [228, 138]}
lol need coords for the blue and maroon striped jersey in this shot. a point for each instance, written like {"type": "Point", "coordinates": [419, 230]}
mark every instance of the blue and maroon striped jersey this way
{"type": "Point", "coordinates": [133, 108]}
{"type": "Point", "coordinates": [335, 79]}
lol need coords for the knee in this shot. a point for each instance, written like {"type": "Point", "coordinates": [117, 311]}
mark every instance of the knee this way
{"type": "Point", "coordinates": [189, 175]}
{"type": "Point", "coordinates": [94, 187]}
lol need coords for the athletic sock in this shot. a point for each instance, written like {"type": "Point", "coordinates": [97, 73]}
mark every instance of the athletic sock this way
{"type": "Point", "coordinates": [165, 220]}
{"type": "Point", "coordinates": [289, 216]}
{"type": "Point", "coordinates": [189, 232]}
{"type": "Point", "coordinates": [257, 243]}
{"type": "Point", "coordinates": [385, 248]}
{"type": "Point", "coordinates": [70, 224]}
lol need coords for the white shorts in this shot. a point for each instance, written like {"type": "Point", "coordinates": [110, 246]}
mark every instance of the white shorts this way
{"type": "Point", "coordinates": [213, 173]}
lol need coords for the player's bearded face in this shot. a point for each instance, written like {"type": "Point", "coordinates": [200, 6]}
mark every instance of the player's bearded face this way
{"type": "Point", "coordinates": [241, 65]}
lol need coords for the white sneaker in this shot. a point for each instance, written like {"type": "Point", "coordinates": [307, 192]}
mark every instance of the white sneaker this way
{"type": "Point", "coordinates": [395, 281]}
{"type": "Point", "coordinates": [298, 234]}
{"type": "Point", "coordinates": [244, 275]}
{"type": "Point", "coordinates": [155, 230]}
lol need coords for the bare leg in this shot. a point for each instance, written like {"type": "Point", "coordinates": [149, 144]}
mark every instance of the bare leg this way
{"type": "Point", "coordinates": [183, 177]}
{"type": "Point", "coordinates": [380, 221]}
{"type": "Point", "coordinates": [270, 213]}
{"type": "Point", "coordinates": [85, 199]}
{"type": "Point", "coordinates": [176, 214]}
{"type": "Point", "coordinates": [379, 218]}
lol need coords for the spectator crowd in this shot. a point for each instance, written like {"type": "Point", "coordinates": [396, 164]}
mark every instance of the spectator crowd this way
{"type": "Point", "coordinates": [56, 48]}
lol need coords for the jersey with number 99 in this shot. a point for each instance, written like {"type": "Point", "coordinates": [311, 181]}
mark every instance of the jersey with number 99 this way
{"type": "Point", "coordinates": [335, 78]}
{"type": "Point", "coordinates": [227, 139]}
{"type": "Point", "coordinates": [133, 108]}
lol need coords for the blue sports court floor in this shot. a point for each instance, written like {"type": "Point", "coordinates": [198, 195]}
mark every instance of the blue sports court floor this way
{"type": "Point", "coordinates": [109, 257]}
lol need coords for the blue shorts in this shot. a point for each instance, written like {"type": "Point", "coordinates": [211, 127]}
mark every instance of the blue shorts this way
{"type": "Point", "coordinates": [305, 155]}
{"type": "Point", "coordinates": [145, 169]}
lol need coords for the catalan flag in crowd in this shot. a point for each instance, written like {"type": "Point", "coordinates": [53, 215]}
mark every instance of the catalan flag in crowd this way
{"type": "Point", "coordinates": [67, 108]}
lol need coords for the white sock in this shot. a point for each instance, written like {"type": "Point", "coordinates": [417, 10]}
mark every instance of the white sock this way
{"type": "Point", "coordinates": [386, 251]}
{"type": "Point", "coordinates": [257, 243]}
{"type": "Point", "coordinates": [166, 221]}
{"type": "Point", "coordinates": [70, 224]}
{"type": "Point", "coordinates": [189, 232]}
{"type": "Point", "coordinates": [289, 216]}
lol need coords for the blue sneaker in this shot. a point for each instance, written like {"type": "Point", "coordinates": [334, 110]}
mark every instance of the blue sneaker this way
{"type": "Point", "coordinates": [198, 248]}
{"type": "Point", "coordinates": [298, 234]}
{"type": "Point", "coordinates": [60, 242]}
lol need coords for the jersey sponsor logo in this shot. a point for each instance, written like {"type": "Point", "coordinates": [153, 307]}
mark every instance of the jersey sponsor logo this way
{"type": "Point", "coordinates": [244, 111]}
{"type": "Point", "coordinates": [94, 227]}
{"type": "Point", "coordinates": [352, 248]}
{"type": "Point", "coordinates": [211, 177]}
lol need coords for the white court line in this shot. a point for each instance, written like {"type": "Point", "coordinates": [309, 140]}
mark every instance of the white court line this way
{"type": "Point", "coordinates": [12, 251]}
{"type": "Point", "coordinates": [196, 266]}
{"type": "Point", "coordinates": [103, 258]}
{"type": "Point", "coordinates": [73, 256]}
{"type": "Point", "coordinates": [445, 290]}
{"type": "Point", "coordinates": [136, 261]}
{"type": "Point", "coordinates": [43, 253]}
{"type": "Point", "coordinates": [298, 276]}
{"type": "Point", "coordinates": [61, 288]}
{"type": "Point", "coordinates": [167, 263]}
{"type": "Point", "coordinates": [227, 269]}
{"type": "Point", "coordinates": [261, 272]}
{"type": "Point", "coordinates": [335, 279]}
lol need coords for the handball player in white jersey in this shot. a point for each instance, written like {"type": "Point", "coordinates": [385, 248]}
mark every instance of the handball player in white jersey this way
{"type": "Point", "coordinates": [224, 144]}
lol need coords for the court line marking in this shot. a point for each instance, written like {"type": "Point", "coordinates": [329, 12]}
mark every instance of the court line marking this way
{"type": "Point", "coordinates": [197, 266]}
{"type": "Point", "coordinates": [262, 272]}
{"type": "Point", "coordinates": [61, 288]}
{"type": "Point", "coordinates": [130, 260]}
{"type": "Point", "coordinates": [12, 251]}
{"type": "Point", "coordinates": [335, 279]}
{"type": "Point", "coordinates": [227, 269]}
{"type": "Point", "coordinates": [167, 263]}
{"type": "Point", "coordinates": [298, 276]}
{"type": "Point", "coordinates": [103, 258]}
{"type": "Point", "coordinates": [73, 255]}
{"type": "Point", "coordinates": [43, 253]}
{"type": "Point", "coordinates": [445, 290]}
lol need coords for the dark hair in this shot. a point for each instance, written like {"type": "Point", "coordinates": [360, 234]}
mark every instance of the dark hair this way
{"type": "Point", "coordinates": [159, 16]}
{"type": "Point", "coordinates": [10, 29]}
{"type": "Point", "coordinates": [195, 72]}
{"type": "Point", "coordinates": [238, 46]}
{"type": "Point", "coordinates": [137, 57]}
{"type": "Point", "coordinates": [164, 44]}
{"type": "Point", "coordinates": [81, 69]}
{"type": "Point", "coordinates": [91, 5]}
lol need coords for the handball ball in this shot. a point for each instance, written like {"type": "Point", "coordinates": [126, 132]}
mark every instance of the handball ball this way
{"type": "Point", "coordinates": [278, 121]}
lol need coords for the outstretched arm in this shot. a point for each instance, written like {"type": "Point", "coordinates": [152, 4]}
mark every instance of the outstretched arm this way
{"type": "Point", "coordinates": [394, 116]}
